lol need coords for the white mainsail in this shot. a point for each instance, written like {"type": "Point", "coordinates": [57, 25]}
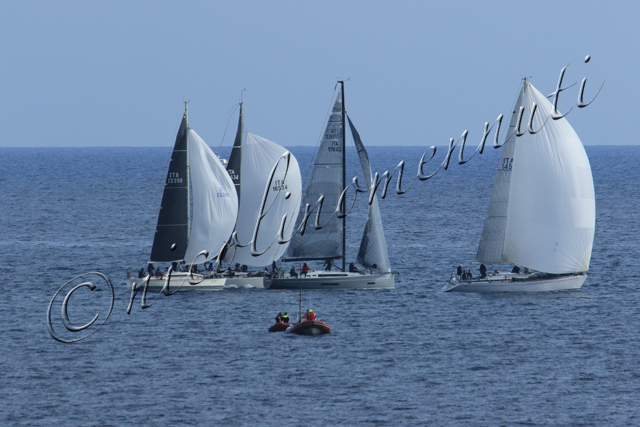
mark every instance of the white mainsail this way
{"type": "Point", "coordinates": [326, 179]}
{"type": "Point", "coordinates": [215, 203]}
{"type": "Point", "coordinates": [550, 209]}
{"type": "Point", "coordinates": [259, 156]}
{"type": "Point", "coordinates": [373, 247]}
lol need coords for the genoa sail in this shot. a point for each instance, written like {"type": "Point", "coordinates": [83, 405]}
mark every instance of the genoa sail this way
{"type": "Point", "coordinates": [173, 219]}
{"type": "Point", "coordinates": [215, 203]}
{"type": "Point", "coordinates": [259, 157]}
{"type": "Point", "coordinates": [373, 247]}
{"type": "Point", "coordinates": [325, 180]}
{"type": "Point", "coordinates": [551, 204]}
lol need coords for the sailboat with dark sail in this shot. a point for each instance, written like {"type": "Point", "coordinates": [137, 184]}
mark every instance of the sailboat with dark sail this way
{"type": "Point", "coordinates": [541, 214]}
{"type": "Point", "coordinates": [195, 179]}
{"type": "Point", "coordinates": [256, 162]}
{"type": "Point", "coordinates": [328, 243]}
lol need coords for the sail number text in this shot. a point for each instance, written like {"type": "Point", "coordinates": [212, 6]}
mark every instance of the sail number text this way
{"type": "Point", "coordinates": [507, 164]}
{"type": "Point", "coordinates": [174, 178]}
{"type": "Point", "coordinates": [279, 185]}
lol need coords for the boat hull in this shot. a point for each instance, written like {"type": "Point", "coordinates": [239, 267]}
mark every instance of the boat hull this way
{"type": "Point", "coordinates": [310, 327]}
{"type": "Point", "coordinates": [280, 327]}
{"type": "Point", "coordinates": [503, 283]}
{"type": "Point", "coordinates": [244, 281]}
{"type": "Point", "coordinates": [157, 283]}
{"type": "Point", "coordinates": [331, 280]}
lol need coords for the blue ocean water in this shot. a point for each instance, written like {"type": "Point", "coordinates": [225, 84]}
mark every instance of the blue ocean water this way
{"type": "Point", "coordinates": [409, 356]}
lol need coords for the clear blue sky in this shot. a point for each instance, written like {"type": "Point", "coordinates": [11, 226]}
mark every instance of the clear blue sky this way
{"type": "Point", "coordinates": [115, 73]}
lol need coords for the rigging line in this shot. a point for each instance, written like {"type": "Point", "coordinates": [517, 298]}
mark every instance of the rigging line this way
{"type": "Point", "coordinates": [231, 111]}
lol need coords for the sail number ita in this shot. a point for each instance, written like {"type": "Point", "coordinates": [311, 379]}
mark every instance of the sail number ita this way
{"type": "Point", "coordinates": [174, 178]}
{"type": "Point", "coordinates": [507, 164]}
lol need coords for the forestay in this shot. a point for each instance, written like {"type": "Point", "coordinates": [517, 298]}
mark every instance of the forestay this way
{"type": "Point", "coordinates": [259, 156]}
{"type": "Point", "coordinates": [215, 203]}
{"type": "Point", "coordinates": [373, 247]}
{"type": "Point", "coordinates": [325, 179]}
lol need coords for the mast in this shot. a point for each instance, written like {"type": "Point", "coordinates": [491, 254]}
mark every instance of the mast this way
{"type": "Point", "coordinates": [186, 117]}
{"type": "Point", "coordinates": [344, 179]}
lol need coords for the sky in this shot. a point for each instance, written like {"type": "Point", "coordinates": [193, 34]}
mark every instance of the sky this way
{"type": "Point", "coordinates": [116, 73]}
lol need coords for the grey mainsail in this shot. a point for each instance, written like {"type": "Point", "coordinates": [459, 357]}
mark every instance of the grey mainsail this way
{"type": "Point", "coordinates": [491, 247]}
{"type": "Point", "coordinates": [373, 247]}
{"type": "Point", "coordinates": [173, 219]}
{"type": "Point", "coordinates": [235, 159]}
{"type": "Point", "coordinates": [326, 180]}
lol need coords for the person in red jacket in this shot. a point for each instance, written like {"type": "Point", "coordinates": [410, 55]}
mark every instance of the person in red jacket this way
{"type": "Point", "coordinates": [305, 270]}
{"type": "Point", "coordinates": [310, 315]}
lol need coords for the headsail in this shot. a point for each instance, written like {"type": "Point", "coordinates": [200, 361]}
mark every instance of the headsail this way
{"type": "Point", "coordinates": [326, 179]}
{"type": "Point", "coordinates": [173, 218]}
{"type": "Point", "coordinates": [551, 218]}
{"type": "Point", "coordinates": [259, 158]}
{"type": "Point", "coordinates": [373, 247]}
{"type": "Point", "coordinates": [215, 203]}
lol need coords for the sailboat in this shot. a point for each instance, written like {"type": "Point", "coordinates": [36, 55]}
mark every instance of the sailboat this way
{"type": "Point", "coordinates": [250, 166]}
{"type": "Point", "coordinates": [328, 243]}
{"type": "Point", "coordinates": [541, 214]}
{"type": "Point", "coordinates": [195, 179]}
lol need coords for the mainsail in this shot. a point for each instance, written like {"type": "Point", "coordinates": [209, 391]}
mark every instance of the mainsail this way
{"type": "Point", "coordinates": [235, 159]}
{"type": "Point", "coordinates": [495, 223]}
{"type": "Point", "coordinates": [215, 203]}
{"type": "Point", "coordinates": [373, 247]}
{"type": "Point", "coordinates": [326, 179]}
{"type": "Point", "coordinates": [259, 157]}
{"type": "Point", "coordinates": [551, 205]}
{"type": "Point", "coordinates": [173, 218]}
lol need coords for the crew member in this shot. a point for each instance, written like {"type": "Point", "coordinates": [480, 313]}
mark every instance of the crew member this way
{"type": "Point", "coordinates": [483, 271]}
{"type": "Point", "coordinates": [279, 318]}
{"type": "Point", "coordinates": [352, 268]}
{"type": "Point", "coordinates": [292, 272]}
{"type": "Point", "coordinates": [460, 270]}
{"type": "Point", "coordinates": [141, 273]}
{"type": "Point", "coordinates": [285, 318]}
{"type": "Point", "coordinates": [305, 269]}
{"type": "Point", "coordinates": [310, 315]}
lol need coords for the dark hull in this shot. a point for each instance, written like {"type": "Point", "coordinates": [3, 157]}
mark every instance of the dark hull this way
{"type": "Point", "coordinates": [279, 327]}
{"type": "Point", "coordinates": [310, 327]}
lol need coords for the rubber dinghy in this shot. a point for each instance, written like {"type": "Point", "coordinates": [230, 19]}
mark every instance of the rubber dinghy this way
{"type": "Point", "coordinates": [310, 327]}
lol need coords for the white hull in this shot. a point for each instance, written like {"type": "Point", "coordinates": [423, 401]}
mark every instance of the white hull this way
{"type": "Point", "coordinates": [502, 283]}
{"type": "Point", "coordinates": [156, 283]}
{"type": "Point", "coordinates": [332, 280]}
{"type": "Point", "coordinates": [244, 281]}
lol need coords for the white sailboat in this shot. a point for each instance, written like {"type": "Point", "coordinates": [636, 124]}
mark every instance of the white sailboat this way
{"type": "Point", "coordinates": [541, 215]}
{"type": "Point", "coordinates": [328, 243]}
{"type": "Point", "coordinates": [195, 178]}
{"type": "Point", "coordinates": [250, 166]}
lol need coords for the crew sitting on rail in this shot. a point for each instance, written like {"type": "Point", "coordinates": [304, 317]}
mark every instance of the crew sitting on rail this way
{"type": "Point", "coordinates": [352, 268]}
{"type": "Point", "coordinates": [305, 269]}
{"type": "Point", "coordinates": [292, 272]}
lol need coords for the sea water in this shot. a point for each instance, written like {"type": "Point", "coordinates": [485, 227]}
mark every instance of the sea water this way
{"type": "Point", "coordinates": [413, 355]}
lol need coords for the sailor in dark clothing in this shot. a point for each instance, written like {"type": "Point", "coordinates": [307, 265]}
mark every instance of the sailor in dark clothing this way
{"type": "Point", "coordinates": [327, 265]}
{"type": "Point", "coordinates": [141, 273]}
{"type": "Point", "coordinates": [352, 268]}
{"type": "Point", "coordinates": [459, 270]}
{"type": "Point", "coordinates": [292, 272]}
{"type": "Point", "coordinates": [516, 269]}
{"type": "Point", "coordinates": [279, 318]}
{"type": "Point", "coordinates": [285, 318]}
{"type": "Point", "coordinates": [150, 269]}
{"type": "Point", "coordinates": [483, 271]}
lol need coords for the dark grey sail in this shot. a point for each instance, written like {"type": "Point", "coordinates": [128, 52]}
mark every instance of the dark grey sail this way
{"type": "Point", "coordinates": [235, 159]}
{"type": "Point", "coordinates": [173, 219]}
{"type": "Point", "coordinates": [373, 247]}
{"type": "Point", "coordinates": [327, 180]}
